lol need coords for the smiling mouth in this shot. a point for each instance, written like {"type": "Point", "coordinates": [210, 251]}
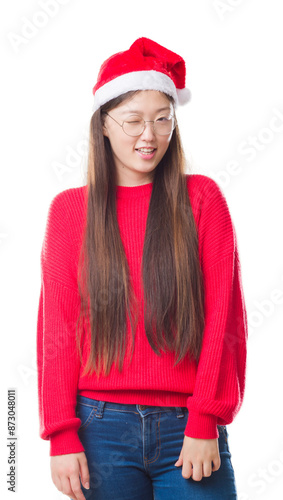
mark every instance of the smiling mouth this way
{"type": "Point", "coordinates": [146, 150]}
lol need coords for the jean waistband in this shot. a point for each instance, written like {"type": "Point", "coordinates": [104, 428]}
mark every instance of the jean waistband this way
{"type": "Point", "coordinates": [181, 411]}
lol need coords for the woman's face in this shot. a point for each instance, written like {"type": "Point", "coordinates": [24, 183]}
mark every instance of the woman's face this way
{"type": "Point", "coordinates": [132, 167]}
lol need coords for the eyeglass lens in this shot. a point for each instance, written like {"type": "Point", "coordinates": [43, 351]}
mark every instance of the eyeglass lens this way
{"type": "Point", "coordinates": [135, 125]}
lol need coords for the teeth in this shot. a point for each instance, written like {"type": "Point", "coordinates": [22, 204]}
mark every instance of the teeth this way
{"type": "Point", "coordinates": [144, 150]}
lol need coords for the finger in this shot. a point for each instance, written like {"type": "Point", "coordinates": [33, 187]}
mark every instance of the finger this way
{"type": "Point", "coordinates": [197, 471]}
{"type": "Point", "coordinates": [76, 487]}
{"type": "Point", "coordinates": [67, 489]}
{"type": "Point", "coordinates": [207, 469]}
{"type": "Point", "coordinates": [179, 462]}
{"type": "Point", "coordinates": [180, 459]}
{"type": "Point", "coordinates": [84, 472]}
{"type": "Point", "coordinates": [57, 481]}
{"type": "Point", "coordinates": [187, 469]}
{"type": "Point", "coordinates": [216, 463]}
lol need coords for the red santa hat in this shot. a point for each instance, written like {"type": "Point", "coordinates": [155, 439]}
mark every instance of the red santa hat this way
{"type": "Point", "coordinates": [146, 65]}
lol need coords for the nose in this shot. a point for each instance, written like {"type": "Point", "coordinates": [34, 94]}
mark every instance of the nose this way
{"type": "Point", "coordinates": [148, 132]}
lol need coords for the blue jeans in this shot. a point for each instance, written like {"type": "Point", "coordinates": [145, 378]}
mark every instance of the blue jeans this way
{"type": "Point", "coordinates": [131, 450]}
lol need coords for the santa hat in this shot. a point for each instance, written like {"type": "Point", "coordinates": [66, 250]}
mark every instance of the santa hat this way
{"type": "Point", "coordinates": [146, 65]}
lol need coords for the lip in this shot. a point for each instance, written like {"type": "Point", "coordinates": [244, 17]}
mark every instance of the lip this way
{"type": "Point", "coordinates": [146, 156]}
{"type": "Point", "coordinates": [146, 147]}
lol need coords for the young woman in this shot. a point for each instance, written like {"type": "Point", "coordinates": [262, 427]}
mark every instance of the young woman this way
{"type": "Point", "coordinates": [142, 327]}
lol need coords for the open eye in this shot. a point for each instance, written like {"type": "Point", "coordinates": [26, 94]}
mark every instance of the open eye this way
{"type": "Point", "coordinates": [163, 118]}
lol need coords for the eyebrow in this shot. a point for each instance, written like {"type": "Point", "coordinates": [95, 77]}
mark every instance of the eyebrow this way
{"type": "Point", "coordinates": [139, 111]}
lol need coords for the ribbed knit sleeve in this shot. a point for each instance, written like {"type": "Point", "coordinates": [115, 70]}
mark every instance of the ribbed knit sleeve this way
{"type": "Point", "coordinates": [220, 378]}
{"type": "Point", "coordinates": [57, 359]}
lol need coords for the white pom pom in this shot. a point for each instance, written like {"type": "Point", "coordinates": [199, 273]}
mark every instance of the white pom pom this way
{"type": "Point", "coordinates": [184, 95]}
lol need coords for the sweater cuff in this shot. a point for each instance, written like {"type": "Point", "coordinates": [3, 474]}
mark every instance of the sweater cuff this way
{"type": "Point", "coordinates": [201, 426]}
{"type": "Point", "coordinates": [64, 442]}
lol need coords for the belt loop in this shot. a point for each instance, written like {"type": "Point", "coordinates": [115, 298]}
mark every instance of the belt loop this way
{"type": "Point", "coordinates": [100, 409]}
{"type": "Point", "coordinates": [180, 412]}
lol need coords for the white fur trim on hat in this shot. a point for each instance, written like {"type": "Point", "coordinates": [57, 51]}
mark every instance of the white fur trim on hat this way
{"type": "Point", "coordinates": [184, 95]}
{"type": "Point", "coordinates": [137, 80]}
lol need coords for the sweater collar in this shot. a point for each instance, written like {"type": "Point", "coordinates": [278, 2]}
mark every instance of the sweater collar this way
{"type": "Point", "coordinates": [143, 190]}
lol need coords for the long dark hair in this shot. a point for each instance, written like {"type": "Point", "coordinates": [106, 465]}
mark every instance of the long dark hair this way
{"type": "Point", "coordinates": [171, 273]}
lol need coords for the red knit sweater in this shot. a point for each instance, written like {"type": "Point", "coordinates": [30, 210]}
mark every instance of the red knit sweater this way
{"type": "Point", "coordinates": [212, 391]}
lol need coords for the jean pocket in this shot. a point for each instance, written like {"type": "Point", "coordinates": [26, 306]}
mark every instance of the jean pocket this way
{"type": "Point", "coordinates": [85, 413]}
{"type": "Point", "coordinates": [223, 433]}
{"type": "Point", "coordinates": [224, 440]}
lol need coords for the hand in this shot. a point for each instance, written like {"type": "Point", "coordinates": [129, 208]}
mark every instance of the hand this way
{"type": "Point", "coordinates": [198, 453]}
{"type": "Point", "coordinates": [65, 472]}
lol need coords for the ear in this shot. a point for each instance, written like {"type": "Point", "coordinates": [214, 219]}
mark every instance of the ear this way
{"type": "Point", "coordinates": [104, 130]}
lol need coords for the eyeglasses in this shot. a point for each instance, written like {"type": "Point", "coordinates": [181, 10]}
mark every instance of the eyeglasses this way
{"type": "Point", "coordinates": [162, 126]}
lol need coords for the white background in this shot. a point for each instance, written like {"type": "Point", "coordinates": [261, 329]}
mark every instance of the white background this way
{"type": "Point", "coordinates": [233, 53]}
